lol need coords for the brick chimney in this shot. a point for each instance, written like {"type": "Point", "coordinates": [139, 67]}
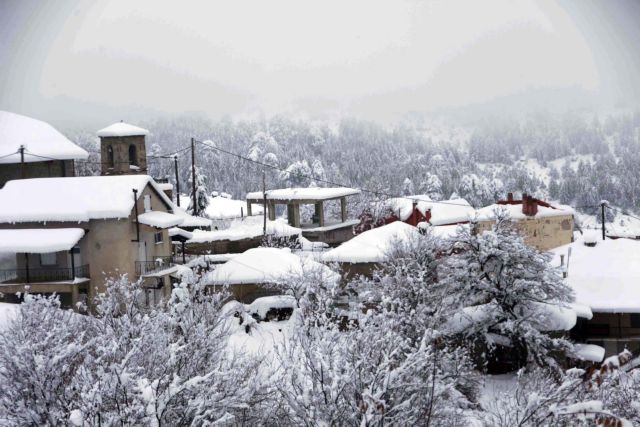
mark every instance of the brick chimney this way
{"type": "Point", "coordinates": [529, 205]}
{"type": "Point", "coordinates": [510, 197]}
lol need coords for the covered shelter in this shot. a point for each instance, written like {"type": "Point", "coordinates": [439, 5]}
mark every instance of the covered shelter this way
{"type": "Point", "coordinates": [319, 229]}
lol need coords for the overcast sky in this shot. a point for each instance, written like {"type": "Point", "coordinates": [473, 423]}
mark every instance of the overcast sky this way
{"type": "Point", "coordinates": [95, 60]}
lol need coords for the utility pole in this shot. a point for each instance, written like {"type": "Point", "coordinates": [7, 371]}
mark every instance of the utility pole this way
{"type": "Point", "coordinates": [22, 171]}
{"type": "Point", "coordinates": [602, 206]}
{"type": "Point", "coordinates": [193, 175]}
{"type": "Point", "coordinates": [175, 164]}
{"type": "Point", "coordinates": [264, 205]}
{"type": "Point", "coordinates": [135, 206]}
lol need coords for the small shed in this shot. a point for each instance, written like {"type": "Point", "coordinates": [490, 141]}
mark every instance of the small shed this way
{"type": "Point", "coordinates": [363, 254]}
{"type": "Point", "coordinates": [257, 272]}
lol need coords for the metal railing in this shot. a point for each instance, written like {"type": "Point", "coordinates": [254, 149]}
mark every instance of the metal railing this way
{"type": "Point", "coordinates": [35, 275]}
{"type": "Point", "coordinates": [154, 265]}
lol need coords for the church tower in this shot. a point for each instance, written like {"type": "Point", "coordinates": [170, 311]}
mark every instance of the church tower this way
{"type": "Point", "coordinates": [123, 149]}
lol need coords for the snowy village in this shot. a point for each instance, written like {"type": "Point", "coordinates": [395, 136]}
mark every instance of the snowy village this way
{"type": "Point", "coordinates": [391, 262]}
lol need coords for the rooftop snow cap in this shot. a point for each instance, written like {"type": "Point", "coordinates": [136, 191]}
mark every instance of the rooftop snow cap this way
{"type": "Point", "coordinates": [41, 141]}
{"type": "Point", "coordinates": [122, 129]}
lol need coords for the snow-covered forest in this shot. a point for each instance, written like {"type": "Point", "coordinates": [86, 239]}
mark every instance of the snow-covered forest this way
{"type": "Point", "coordinates": [576, 159]}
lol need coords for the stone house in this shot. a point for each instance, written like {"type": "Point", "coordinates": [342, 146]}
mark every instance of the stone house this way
{"type": "Point", "coordinates": [69, 235]}
{"type": "Point", "coordinates": [543, 226]}
{"type": "Point", "coordinates": [30, 148]}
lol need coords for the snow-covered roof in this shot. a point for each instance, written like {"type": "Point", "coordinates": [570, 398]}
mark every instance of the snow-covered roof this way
{"type": "Point", "coordinates": [265, 265]}
{"type": "Point", "coordinates": [372, 245]}
{"type": "Point", "coordinates": [175, 231]}
{"type": "Point", "coordinates": [311, 193]}
{"type": "Point", "coordinates": [488, 213]}
{"type": "Point", "coordinates": [39, 138]}
{"type": "Point", "coordinates": [226, 208]}
{"type": "Point", "coordinates": [165, 186]}
{"type": "Point", "coordinates": [191, 220]}
{"type": "Point", "coordinates": [122, 129]}
{"type": "Point", "coordinates": [442, 212]}
{"type": "Point", "coordinates": [75, 199]}
{"type": "Point", "coordinates": [159, 219]}
{"type": "Point", "coordinates": [605, 277]}
{"type": "Point", "coordinates": [245, 230]}
{"type": "Point", "coordinates": [39, 240]}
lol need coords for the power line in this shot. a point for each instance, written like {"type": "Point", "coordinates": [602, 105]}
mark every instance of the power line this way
{"type": "Point", "coordinates": [9, 155]}
{"type": "Point", "coordinates": [622, 212]}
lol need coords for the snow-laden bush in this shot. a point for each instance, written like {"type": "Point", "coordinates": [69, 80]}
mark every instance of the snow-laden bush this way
{"type": "Point", "coordinates": [128, 365]}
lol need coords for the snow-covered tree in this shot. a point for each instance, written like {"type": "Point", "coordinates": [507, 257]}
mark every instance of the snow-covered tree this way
{"type": "Point", "coordinates": [407, 187]}
{"type": "Point", "coordinates": [129, 365]}
{"type": "Point", "coordinates": [502, 293]}
{"type": "Point", "coordinates": [202, 194]}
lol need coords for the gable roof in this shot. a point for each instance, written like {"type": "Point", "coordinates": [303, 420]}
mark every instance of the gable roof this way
{"type": "Point", "coordinates": [372, 245]}
{"type": "Point", "coordinates": [266, 265]}
{"type": "Point", "coordinates": [75, 199]}
{"type": "Point", "coordinates": [42, 141]}
{"type": "Point", "coordinates": [122, 129]}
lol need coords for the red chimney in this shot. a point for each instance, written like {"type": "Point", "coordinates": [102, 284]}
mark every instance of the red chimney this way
{"type": "Point", "coordinates": [533, 206]}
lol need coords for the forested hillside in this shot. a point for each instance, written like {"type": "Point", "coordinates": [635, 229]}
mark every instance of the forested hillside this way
{"type": "Point", "coordinates": [575, 159]}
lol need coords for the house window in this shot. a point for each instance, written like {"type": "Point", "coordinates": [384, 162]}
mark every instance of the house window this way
{"type": "Point", "coordinates": [110, 156]}
{"type": "Point", "coordinates": [158, 237]}
{"type": "Point", "coordinates": [147, 202]}
{"type": "Point", "coordinates": [133, 155]}
{"type": "Point", "coordinates": [48, 259]}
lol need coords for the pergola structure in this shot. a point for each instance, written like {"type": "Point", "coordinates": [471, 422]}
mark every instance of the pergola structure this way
{"type": "Point", "coordinates": [294, 197]}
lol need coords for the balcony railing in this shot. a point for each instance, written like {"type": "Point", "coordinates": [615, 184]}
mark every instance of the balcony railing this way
{"type": "Point", "coordinates": [154, 265]}
{"type": "Point", "coordinates": [35, 275]}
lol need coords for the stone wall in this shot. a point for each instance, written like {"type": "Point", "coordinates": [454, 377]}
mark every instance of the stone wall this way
{"type": "Point", "coordinates": [48, 169]}
{"type": "Point", "coordinates": [542, 233]}
{"type": "Point", "coordinates": [121, 164]}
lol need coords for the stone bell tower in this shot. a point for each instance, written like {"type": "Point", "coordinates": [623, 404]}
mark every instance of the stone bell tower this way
{"type": "Point", "coordinates": [123, 150]}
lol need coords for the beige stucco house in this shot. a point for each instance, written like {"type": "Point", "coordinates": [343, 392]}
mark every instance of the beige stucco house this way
{"type": "Point", "coordinates": [70, 235]}
{"type": "Point", "coordinates": [543, 226]}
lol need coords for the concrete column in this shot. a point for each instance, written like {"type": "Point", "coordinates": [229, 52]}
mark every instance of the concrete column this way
{"type": "Point", "coordinates": [272, 211]}
{"type": "Point", "coordinates": [296, 215]}
{"type": "Point", "coordinates": [74, 296]}
{"type": "Point", "coordinates": [320, 213]}
{"type": "Point", "coordinates": [291, 215]}
{"type": "Point", "coordinates": [343, 208]}
{"type": "Point", "coordinates": [248, 208]}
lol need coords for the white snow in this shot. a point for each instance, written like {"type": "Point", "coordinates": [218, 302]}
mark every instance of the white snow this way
{"type": "Point", "coordinates": [488, 213]}
{"type": "Point", "coordinates": [245, 230]}
{"type": "Point", "coordinates": [38, 137]}
{"type": "Point", "coordinates": [262, 305]}
{"type": "Point", "coordinates": [39, 240]}
{"type": "Point", "coordinates": [165, 186]}
{"type": "Point", "coordinates": [311, 193]}
{"type": "Point", "coordinates": [190, 220]}
{"type": "Point", "coordinates": [372, 245]}
{"type": "Point", "coordinates": [175, 231]}
{"type": "Point", "coordinates": [226, 208]}
{"type": "Point", "coordinates": [442, 212]}
{"type": "Point", "coordinates": [122, 129]}
{"type": "Point", "coordinates": [8, 312]}
{"type": "Point", "coordinates": [160, 219]}
{"type": "Point", "coordinates": [265, 265]}
{"type": "Point", "coordinates": [589, 352]}
{"type": "Point", "coordinates": [75, 199]}
{"type": "Point", "coordinates": [605, 277]}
